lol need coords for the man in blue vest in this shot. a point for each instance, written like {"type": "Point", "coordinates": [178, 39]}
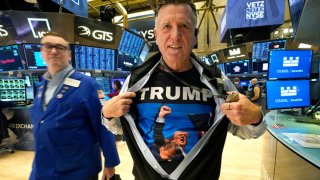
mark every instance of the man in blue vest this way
{"type": "Point", "coordinates": [66, 115]}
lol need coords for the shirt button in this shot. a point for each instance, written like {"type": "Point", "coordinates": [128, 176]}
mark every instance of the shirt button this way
{"type": "Point", "coordinates": [42, 121]}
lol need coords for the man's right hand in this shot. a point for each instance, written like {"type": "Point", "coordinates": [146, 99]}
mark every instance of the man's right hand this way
{"type": "Point", "coordinates": [118, 105]}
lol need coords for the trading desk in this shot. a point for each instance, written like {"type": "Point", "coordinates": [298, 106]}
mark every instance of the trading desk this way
{"type": "Point", "coordinates": [291, 149]}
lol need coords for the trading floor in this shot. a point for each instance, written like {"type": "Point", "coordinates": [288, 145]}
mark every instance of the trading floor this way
{"type": "Point", "coordinates": [241, 161]}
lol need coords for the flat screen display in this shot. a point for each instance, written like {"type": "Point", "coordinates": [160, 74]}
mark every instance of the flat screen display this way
{"type": "Point", "coordinates": [260, 50]}
{"type": "Point", "coordinates": [94, 58]}
{"type": "Point", "coordinates": [122, 80]}
{"type": "Point", "coordinates": [287, 94]}
{"type": "Point", "coordinates": [237, 67]}
{"type": "Point", "coordinates": [10, 58]}
{"type": "Point", "coordinates": [33, 57]}
{"type": "Point", "coordinates": [104, 82]}
{"type": "Point", "coordinates": [314, 91]}
{"type": "Point", "coordinates": [126, 62]}
{"type": "Point", "coordinates": [13, 90]}
{"type": "Point", "coordinates": [295, 8]}
{"type": "Point", "coordinates": [130, 44]}
{"type": "Point", "coordinates": [286, 64]}
{"type": "Point", "coordinates": [260, 67]}
{"type": "Point", "coordinates": [77, 7]}
{"type": "Point", "coordinates": [252, 13]}
{"type": "Point", "coordinates": [144, 52]}
{"type": "Point", "coordinates": [221, 67]}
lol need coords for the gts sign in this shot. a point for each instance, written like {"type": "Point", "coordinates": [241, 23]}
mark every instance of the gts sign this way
{"type": "Point", "coordinates": [96, 34]}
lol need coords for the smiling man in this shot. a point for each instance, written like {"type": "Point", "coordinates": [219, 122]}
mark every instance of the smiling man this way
{"type": "Point", "coordinates": [193, 134]}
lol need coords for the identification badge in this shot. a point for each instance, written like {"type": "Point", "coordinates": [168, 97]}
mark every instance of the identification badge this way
{"type": "Point", "coordinates": [72, 82]}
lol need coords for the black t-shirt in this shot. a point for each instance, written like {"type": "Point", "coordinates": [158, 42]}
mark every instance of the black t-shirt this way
{"type": "Point", "coordinates": [191, 116]}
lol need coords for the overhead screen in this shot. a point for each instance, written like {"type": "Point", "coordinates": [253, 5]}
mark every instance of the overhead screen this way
{"type": "Point", "coordinates": [252, 13]}
{"type": "Point", "coordinates": [10, 58]}
{"type": "Point", "coordinates": [288, 94]}
{"type": "Point", "coordinates": [288, 64]}
{"type": "Point", "coordinates": [94, 58]}
{"type": "Point", "coordinates": [240, 14]}
{"type": "Point", "coordinates": [78, 7]}
{"type": "Point", "coordinates": [295, 8]}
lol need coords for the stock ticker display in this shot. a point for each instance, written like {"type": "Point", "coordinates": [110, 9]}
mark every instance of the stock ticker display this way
{"type": "Point", "coordinates": [94, 58]}
{"type": "Point", "coordinates": [12, 90]}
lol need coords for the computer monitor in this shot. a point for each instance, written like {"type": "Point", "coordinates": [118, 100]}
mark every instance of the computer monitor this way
{"type": "Point", "coordinates": [94, 58]}
{"type": "Point", "coordinates": [126, 62]}
{"type": "Point", "coordinates": [237, 67]}
{"type": "Point", "coordinates": [122, 80]}
{"type": "Point", "coordinates": [131, 44]}
{"type": "Point", "coordinates": [261, 49]}
{"type": "Point", "coordinates": [12, 89]}
{"type": "Point", "coordinates": [295, 8]}
{"type": "Point", "coordinates": [288, 64]}
{"type": "Point", "coordinates": [33, 57]}
{"type": "Point", "coordinates": [244, 83]}
{"type": "Point", "coordinates": [77, 7]}
{"type": "Point", "coordinates": [314, 91]}
{"type": "Point", "coordinates": [260, 67]}
{"type": "Point", "coordinates": [144, 52]}
{"type": "Point", "coordinates": [284, 94]}
{"type": "Point", "coordinates": [221, 67]}
{"type": "Point", "coordinates": [10, 58]}
{"type": "Point", "coordinates": [104, 82]}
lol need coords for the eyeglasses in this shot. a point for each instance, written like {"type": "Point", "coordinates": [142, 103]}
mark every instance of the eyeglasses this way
{"type": "Point", "coordinates": [59, 48]}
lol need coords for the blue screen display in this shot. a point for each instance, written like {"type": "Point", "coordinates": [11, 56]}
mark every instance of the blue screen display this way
{"type": "Point", "coordinates": [104, 83]}
{"type": "Point", "coordinates": [251, 13]}
{"type": "Point", "coordinates": [130, 44]}
{"type": "Point", "coordinates": [221, 67]}
{"type": "Point", "coordinates": [77, 7]}
{"type": "Point", "coordinates": [288, 94]}
{"type": "Point", "coordinates": [10, 58]}
{"type": "Point", "coordinates": [289, 64]}
{"type": "Point", "coordinates": [94, 58]}
{"type": "Point", "coordinates": [33, 56]}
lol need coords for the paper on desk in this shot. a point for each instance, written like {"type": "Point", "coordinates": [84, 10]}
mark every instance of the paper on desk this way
{"type": "Point", "coordinates": [305, 140]}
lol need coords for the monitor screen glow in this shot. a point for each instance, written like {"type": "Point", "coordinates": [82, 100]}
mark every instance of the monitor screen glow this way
{"type": "Point", "coordinates": [10, 58]}
{"type": "Point", "coordinates": [13, 89]}
{"type": "Point", "coordinates": [283, 94]}
{"type": "Point", "coordinates": [33, 56]}
{"type": "Point", "coordinates": [237, 67]}
{"type": "Point", "coordinates": [94, 58]}
{"type": "Point", "coordinates": [288, 64]}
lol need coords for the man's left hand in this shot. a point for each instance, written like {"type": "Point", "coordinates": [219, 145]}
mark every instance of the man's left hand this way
{"type": "Point", "coordinates": [108, 173]}
{"type": "Point", "coordinates": [243, 112]}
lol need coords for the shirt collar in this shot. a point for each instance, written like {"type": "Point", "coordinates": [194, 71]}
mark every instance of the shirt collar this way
{"type": "Point", "coordinates": [59, 75]}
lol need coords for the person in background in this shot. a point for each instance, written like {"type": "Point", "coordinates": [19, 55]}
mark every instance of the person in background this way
{"type": "Point", "coordinates": [255, 93]}
{"type": "Point", "coordinates": [116, 85]}
{"type": "Point", "coordinates": [66, 116]}
{"type": "Point", "coordinates": [236, 83]}
{"type": "Point", "coordinates": [177, 78]}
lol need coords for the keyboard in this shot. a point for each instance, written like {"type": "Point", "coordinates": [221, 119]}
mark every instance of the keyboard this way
{"type": "Point", "coordinates": [307, 119]}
